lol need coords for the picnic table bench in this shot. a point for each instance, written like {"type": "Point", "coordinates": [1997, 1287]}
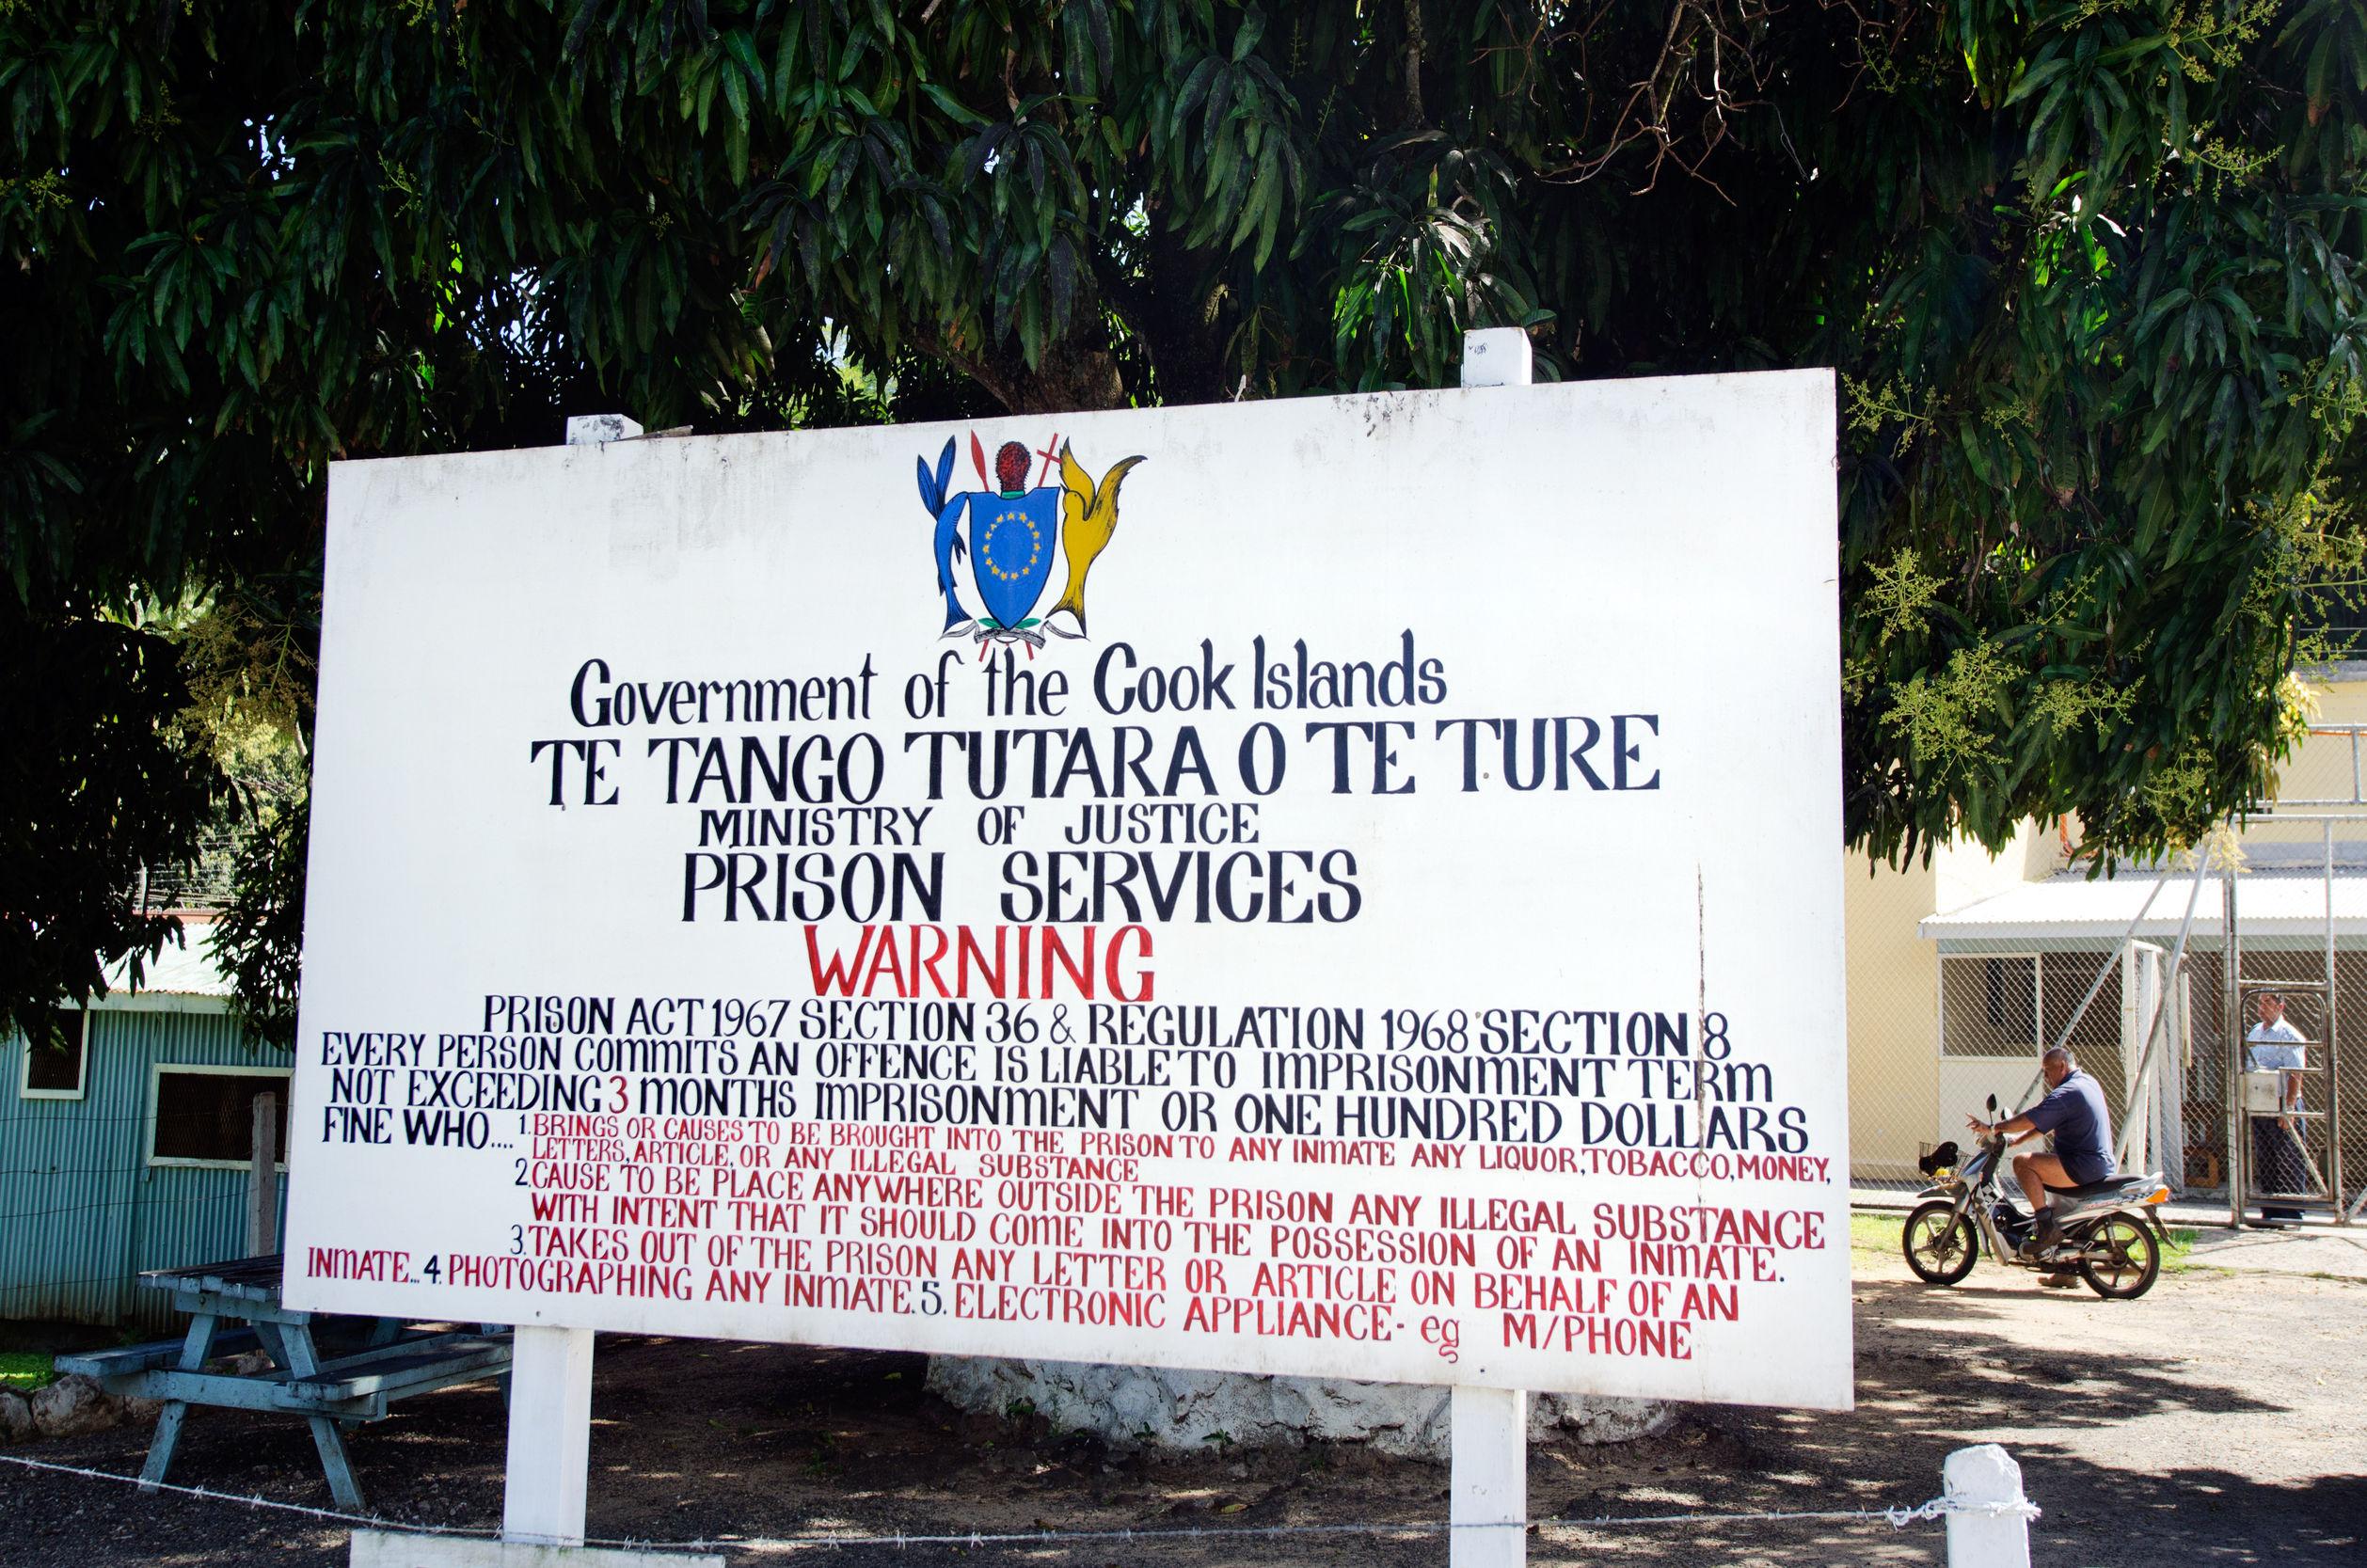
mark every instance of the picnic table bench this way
{"type": "Point", "coordinates": [332, 1370]}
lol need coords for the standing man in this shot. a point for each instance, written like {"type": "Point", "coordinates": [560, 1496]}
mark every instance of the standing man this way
{"type": "Point", "coordinates": [2278, 1165]}
{"type": "Point", "coordinates": [2074, 1110]}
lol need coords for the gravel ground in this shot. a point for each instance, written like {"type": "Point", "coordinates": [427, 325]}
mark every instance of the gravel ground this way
{"type": "Point", "coordinates": [2222, 1419]}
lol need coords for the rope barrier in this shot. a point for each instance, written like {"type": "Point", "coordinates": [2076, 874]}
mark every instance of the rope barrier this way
{"type": "Point", "coordinates": [1897, 1519]}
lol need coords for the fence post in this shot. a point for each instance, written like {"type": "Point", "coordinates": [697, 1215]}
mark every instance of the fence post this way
{"type": "Point", "coordinates": [596, 430]}
{"type": "Point", "coordinates": [1985, 1475]}
{"type": "Point", "coordinates": [1487, 1429]}
{"type": "Point", "coordinates": [1498, 357]}
{"type": "Point", "coordinates": [262, 1176]}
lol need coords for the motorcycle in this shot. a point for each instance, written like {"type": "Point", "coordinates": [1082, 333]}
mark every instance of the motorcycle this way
{"type": "Point", "coordinates": [2109, 1230]}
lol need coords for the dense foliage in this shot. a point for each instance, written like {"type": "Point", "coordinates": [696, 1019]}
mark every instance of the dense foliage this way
{"type": "Point", "coordinates": [96, 789]}
{"type": "Point", "coordinates": [2089, 269]}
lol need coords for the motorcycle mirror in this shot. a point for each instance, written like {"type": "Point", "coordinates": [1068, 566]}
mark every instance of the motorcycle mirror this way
{"type": "Point", "coordinates": [1993, 1107]}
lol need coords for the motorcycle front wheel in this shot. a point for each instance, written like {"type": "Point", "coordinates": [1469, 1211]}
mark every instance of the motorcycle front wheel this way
{"type": "Point", "coordinates": [1939, 1243]}
{"type": "Point", "coordinates": [2118, 1258]}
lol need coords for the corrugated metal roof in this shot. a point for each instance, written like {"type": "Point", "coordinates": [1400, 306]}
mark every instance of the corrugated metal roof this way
{"type": "Point", "coordinates": [184, 976]}
{"type": "Point", "coordinates": [2269, 906]}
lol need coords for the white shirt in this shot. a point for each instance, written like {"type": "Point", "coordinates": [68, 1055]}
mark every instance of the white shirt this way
{"type": "Point", "coordinates": [2276, 1047]}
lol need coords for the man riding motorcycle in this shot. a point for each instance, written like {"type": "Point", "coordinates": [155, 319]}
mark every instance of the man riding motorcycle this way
{"type": "Point", "coordinates": [2073, 1111]}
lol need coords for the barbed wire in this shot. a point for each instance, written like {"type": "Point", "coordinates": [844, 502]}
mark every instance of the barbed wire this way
{"type": "Point", "coordinates": [1897, 1519]}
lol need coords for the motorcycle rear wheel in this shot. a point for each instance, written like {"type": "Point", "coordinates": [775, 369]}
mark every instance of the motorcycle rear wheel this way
{"type": "Point", "coordinates": [2132, 1260]}
{"type": "Point", "coordinates": [1940, 1244]}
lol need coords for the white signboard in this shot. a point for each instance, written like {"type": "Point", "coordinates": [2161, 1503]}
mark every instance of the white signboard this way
{"type": "Point", "coordinates": [1344, 887]}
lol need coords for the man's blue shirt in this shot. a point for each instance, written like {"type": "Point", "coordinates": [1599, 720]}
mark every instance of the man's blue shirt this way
{"type": "Point", "coordinates": [2075, 1112]}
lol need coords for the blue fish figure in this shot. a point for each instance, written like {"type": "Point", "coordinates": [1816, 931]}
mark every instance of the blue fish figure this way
{"type": "Point", "coordinates": [949, 547]}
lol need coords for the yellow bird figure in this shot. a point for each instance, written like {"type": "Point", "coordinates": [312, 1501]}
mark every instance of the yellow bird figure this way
{"type": "Point", "coordinates": [1088, 516]}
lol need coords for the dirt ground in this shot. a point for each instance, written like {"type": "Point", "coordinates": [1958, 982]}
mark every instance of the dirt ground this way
{"type": "Point", "coordinates": [2221, 1420]}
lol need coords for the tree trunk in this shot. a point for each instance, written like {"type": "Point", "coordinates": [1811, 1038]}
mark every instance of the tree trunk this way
{"type": "Point", "coordinates": [1070, 377]}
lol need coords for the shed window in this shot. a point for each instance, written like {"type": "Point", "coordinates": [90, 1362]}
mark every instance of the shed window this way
{"type": "Point", "coordinates": [55, 1072]}
{"type": "Point", "coordinates": [1989, 1007]}
{"type": "Point", "coordinates": [206, 1117]}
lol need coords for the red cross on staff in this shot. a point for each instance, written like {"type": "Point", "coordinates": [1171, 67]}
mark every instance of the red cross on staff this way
{"type": "Point", "coordinates": [1050, 456]}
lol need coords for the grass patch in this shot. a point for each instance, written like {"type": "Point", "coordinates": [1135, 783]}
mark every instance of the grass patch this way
{"type": "Point", "coordinates": [1876, 1233]}
{"type": "Point", "coordinates": [25, 1371]}
{"type": "Point", "coordinates": [2180, 1258]}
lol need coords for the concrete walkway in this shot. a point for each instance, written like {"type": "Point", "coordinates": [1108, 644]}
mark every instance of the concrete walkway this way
{"type": "Point", "coordinates": [2312, 1249]}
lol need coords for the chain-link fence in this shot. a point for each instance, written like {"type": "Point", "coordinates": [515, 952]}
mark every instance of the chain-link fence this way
{"type": "Point", "coordinates": [1963, 971]}
{"type": "Point", "coordinates": [1929, 1041]}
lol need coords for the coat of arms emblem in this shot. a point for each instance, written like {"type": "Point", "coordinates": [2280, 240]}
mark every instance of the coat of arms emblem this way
{"type": "Point", "coordinates": [1018, 540]}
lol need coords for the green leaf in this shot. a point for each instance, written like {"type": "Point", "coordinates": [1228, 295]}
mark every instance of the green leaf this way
{"type": "Point", "coordinates": [2044, 69]}
{"type": "Point", "coordinates": [1252, 29]}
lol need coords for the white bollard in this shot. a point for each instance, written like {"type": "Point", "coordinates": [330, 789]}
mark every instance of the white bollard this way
{"type": "Point", "coordinates": [1987, 1478]}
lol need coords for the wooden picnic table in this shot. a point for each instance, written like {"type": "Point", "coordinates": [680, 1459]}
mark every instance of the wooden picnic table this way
{"type": "Point", "coordinates": [333, 1370]}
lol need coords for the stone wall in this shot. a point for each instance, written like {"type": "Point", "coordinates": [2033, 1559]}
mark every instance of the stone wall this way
{"type": "Point", "coordinates": [1132, 1407]}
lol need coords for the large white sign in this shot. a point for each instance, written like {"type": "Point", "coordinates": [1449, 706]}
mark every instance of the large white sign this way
{"type": "Point", "coordinates": [1344, 887]}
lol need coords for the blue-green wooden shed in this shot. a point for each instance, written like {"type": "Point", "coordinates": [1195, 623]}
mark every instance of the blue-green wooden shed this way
{"type": "Point", "coordinates": [129, 1149]}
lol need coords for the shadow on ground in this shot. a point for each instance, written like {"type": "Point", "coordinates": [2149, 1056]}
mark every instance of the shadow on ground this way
{"type": "Point", "coordinates": [699, 1440]}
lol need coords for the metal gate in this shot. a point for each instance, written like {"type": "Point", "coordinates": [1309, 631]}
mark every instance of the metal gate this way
{"type": "Point", "coordinates": [2284, 1101]}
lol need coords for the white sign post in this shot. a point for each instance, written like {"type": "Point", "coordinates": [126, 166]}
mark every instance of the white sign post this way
{"type": "Point", "coordinates": [550, 1436]}
{"type": "Point", "coordinates": [547, 1469]}
{"type": "Point", "coordinates": [1338, 887]}
{"type": "Point", "coordinates": [1487, 1429]}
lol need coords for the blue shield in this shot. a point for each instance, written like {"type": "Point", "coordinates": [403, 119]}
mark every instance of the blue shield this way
{"type": "Point", "coordinates": [1011, 540]}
